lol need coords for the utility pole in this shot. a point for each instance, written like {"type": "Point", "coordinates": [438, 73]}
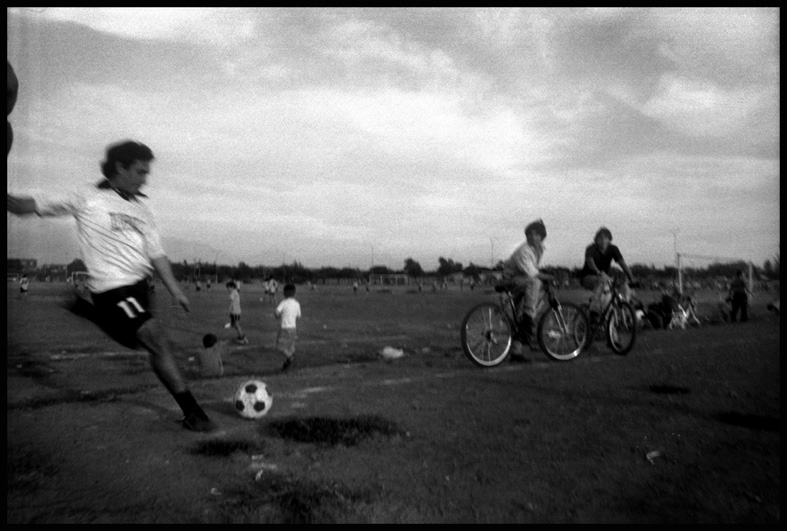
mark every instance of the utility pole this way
{"type": "Point", "coordinates": [677, 259]}
{"type": "Point", "coordinates": [216, 267]}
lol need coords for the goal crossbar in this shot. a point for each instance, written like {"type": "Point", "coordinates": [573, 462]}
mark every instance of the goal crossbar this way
{"type": "Point", "coordinates": [680, 256]}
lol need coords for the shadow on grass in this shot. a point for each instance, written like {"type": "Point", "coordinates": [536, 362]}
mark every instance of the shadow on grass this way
{"type": "Point", "coordinates": [333, 431]}
{"type": "Point", "coordinates": [285, 499]}
{"type": "Point", "coordinates": [754, 422]}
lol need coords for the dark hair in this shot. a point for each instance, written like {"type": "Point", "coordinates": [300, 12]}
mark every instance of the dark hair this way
{"type": "Point", "coordinates": [231, 284]}
{"type": "Point", "coordinates": [209, 340]}
{"type": "Point", "coordinates": [289, 289]}
{"type": "Point", "coordinates": [126, 153]}
{"type": "Point", "coordinates": [538, 226]}
{"type": "Point", "coordinates": [603, 230]}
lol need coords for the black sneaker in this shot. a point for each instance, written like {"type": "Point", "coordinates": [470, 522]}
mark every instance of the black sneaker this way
{"type": "Point", "coordinates": [195, 421]}
{"type": "Point", "coordinates": [287, 364]}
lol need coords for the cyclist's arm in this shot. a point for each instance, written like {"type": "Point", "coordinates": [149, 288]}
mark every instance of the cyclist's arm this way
{"type": "Point", "coordinates": [626, 269]}
{"type": "Point", "coordinates": [591, 264]}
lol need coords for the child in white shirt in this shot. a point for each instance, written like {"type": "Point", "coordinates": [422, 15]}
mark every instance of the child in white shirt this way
{"type": "Point", "coordinates": [288, 311]}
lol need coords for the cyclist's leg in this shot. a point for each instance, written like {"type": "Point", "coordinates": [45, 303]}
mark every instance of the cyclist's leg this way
{"type": "Point", "coordinates": [531, 300]}
{"type": "Point", "coordinates": [593, 283]}
{"type": "Point", "coordinates": [622, 282]}
{"type": "Point", "coordinates": [513, 287]}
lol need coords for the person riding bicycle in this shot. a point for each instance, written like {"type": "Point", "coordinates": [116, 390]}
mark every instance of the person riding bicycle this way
{"type": "Point", "coordinates": [522, 277]}
{"type": "Point", "coordinates": [597, 270]}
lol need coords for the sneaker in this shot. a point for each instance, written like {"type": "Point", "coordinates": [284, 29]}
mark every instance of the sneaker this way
{"type": "Point", "coordinates": [242, 341]}
{"type": "Point", "coordinates": [287, 364]}
{"type": "Point", "coordinates": [517, 354]}
{"type": "Point", "coordinates": [198, 421]}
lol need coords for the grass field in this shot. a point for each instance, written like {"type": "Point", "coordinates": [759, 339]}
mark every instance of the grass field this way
{"type": "Point", "coordinates": [683, 430]}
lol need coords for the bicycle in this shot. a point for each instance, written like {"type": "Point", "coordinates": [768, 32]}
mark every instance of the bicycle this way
{"type": "Point", "coordinates": [617, 322]}
{"type": "Point", "coordinates": [488, 329]}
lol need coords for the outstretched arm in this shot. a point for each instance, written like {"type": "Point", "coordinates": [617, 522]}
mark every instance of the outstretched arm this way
{"type": "Point", "coordinates": [21, 205]}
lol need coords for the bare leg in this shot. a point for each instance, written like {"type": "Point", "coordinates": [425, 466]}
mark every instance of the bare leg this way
{"type": "Point", "coordinates": [155, 340]}
{"type": "Point", "coordinates": [153, 337]}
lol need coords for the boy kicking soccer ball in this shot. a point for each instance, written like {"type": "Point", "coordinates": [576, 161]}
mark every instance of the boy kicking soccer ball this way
{"type": "Point", "coordinates": [121, 248]}
{"type": "Point", "coordinates": [288, 311]}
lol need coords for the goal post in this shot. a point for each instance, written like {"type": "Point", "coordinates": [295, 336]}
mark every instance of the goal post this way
{"type": "Point", "coordinates": [389, 279]}
{"type": "Point", "coordinates": [685, 261]}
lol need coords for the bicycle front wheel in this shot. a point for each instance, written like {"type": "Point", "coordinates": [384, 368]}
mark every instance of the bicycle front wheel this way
{"type": "Point", "coordinates": [486, 335]}
{"type": "Point", "coordinates": [563, 332]}
{"type": "Point", "coordinates": [622, 328]}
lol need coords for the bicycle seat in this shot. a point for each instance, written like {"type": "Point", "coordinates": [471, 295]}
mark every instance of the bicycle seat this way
{"type": "Point", "coordinates": [500, 288]}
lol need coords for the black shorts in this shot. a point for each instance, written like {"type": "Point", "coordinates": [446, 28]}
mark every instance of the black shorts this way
{"type": "Point", "coordinates": [123, 310]}
{"type": "Point", "coordinates": [234, 319]}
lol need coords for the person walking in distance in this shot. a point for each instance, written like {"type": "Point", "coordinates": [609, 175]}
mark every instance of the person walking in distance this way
{"type": "Point", "coordinates": [739, 294]}
{"type": "Point", "coordinates": [235, 313]}
{"type": "Point", "coordinates": [288, 312]}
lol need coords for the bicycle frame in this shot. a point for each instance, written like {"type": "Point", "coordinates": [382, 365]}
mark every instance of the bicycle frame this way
{"type": "Point", "coordinates": [615, 297]}
{"type": "Point", "coordinates": [548, 299]}
{"type": "Point", "coordinates": [615, 309]}
{"type": "Point", "coordinates": [488, 329]}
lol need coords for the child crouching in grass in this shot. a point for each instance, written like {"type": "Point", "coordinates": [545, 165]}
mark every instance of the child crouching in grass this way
{"type": "Point", "coordinates": [288, 311]}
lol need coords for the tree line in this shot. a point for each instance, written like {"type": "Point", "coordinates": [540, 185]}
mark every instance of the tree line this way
{"type": "Point", "coordinates": [446, 267]}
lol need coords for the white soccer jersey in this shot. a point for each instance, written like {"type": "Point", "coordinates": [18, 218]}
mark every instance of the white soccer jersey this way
{"type": "Point", "coordinates": [118, 237]}
{"type": "Point", "coordinates": [289, 310]}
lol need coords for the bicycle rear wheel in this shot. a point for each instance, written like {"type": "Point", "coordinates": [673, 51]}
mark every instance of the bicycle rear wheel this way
{"type": "Point", "coordinates": [486, 335]}
{"type": "Point", "coordinates": [563, 332]}
{"type": "Point", "coordinates": [622, 328]}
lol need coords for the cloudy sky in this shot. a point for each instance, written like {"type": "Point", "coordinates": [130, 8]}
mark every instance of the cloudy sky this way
{"type": "Point", "coordinates": [346, 137]}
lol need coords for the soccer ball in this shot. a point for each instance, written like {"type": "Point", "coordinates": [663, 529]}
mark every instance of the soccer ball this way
{"type": "Point", "coordinates": [252, 400]}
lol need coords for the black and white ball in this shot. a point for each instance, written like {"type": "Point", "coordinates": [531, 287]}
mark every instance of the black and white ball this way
{"type": "Point", "coordinates": [252, 399]}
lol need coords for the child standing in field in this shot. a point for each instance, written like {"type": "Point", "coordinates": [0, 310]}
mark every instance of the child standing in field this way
{"type": "Point", "coordinates": [235, 313]}
{"type": "Point", "coordinates": [24, 285]}
{"type": "Point", "coordinates": [288, 311]}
